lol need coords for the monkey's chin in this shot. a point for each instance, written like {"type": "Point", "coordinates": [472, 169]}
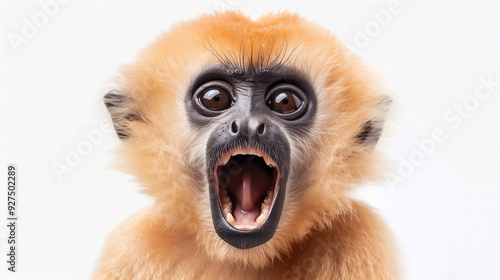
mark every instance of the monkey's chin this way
{"type": "Point", "coordinates": [246, 197]}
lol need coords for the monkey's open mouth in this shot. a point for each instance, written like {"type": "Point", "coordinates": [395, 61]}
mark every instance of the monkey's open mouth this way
{"type": "Point", "coordinates": [247, 193]}
{"type": "Point", "coordinates": [247, 181]}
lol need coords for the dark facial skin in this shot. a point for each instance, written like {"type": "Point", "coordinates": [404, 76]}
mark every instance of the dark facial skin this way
{"type": "Point", "coordinates": [251, 108]}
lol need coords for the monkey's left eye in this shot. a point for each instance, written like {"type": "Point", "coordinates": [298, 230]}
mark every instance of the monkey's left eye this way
{"type": "Point", "coordinates": [287, 101]}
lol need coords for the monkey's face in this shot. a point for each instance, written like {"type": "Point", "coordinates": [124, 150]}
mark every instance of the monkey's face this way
{"type": "Point", "coordinates": [249, 134]}
{"type": "Point", "coordinates": [251, 115]}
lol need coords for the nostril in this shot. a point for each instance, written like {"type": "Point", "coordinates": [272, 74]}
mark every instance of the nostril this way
{"type": "Point", "coordinates": [234, 127]}
{"type": "Point", "coordinates": [261, 129]}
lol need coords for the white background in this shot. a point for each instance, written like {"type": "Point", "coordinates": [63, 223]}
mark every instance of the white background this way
{"type": "Point", "coordinates": [445, 215]}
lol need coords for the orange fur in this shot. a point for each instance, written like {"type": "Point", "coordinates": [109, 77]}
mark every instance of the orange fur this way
{"type": "Point", "coordinates": [322, 234]}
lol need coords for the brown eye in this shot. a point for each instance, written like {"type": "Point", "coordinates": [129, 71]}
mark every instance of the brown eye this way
{"type": "Point", "coordinates": [215, 99]}
{"type": "Point", "coordinates": [285, 102]}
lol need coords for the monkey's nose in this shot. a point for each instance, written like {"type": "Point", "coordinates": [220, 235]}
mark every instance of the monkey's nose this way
{"type": "Point", "coordinates": [256, 126]}
{"type": "Point", "coordinates": [234, 127]}
{"type": "Point", "coordinates": [251, 127]}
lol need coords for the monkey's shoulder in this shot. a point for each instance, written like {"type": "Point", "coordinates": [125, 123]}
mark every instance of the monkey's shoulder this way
{"type": "Point", "coordinates": [142, 247]}
{"type": "Point", "coordinates": [356, 238]}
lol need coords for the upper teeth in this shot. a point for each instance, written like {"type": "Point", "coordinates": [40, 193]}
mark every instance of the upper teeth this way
{"type": "Point", "coordinates": [247, 151]}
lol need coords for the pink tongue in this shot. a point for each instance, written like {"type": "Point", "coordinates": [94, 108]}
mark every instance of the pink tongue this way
{"type": "Point", "coordinates": [248, 189]}
{"type": "Point", "coordinates": [245, 195]}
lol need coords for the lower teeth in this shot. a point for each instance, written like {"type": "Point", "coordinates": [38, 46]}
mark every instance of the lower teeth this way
{"type": "Point", "coordinates": [228, 208]}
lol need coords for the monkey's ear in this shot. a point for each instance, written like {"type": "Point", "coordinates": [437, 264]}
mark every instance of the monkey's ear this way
{"type": "Point", "coordinates": [372, 129]}
{"type": "Point", "coordinates": [122, 110]}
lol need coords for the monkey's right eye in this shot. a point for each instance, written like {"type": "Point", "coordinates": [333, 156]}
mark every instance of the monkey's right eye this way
{"type": "Point", "coordinates": [215, 99]}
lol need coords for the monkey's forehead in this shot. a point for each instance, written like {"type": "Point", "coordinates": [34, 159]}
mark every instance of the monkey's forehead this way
{"type": "Point", "coordinates": [167, 67]}
{"type": "Point", "coordinates": [240, 42]}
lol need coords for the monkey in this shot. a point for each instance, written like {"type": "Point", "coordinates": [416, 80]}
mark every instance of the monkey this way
{"type": "Point", "coordinates": [249, 135]}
